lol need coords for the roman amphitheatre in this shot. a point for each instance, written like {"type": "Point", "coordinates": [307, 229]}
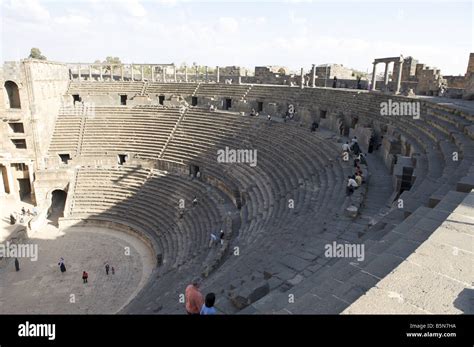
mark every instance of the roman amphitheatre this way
{"type": "Point", "coordinates": [118, 164]}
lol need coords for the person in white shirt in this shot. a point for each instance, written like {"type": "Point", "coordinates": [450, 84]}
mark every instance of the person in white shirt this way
{"type": "Point", "coordinates": [351, 185]}
{"type": "Point", "coordinates": [346, 147]}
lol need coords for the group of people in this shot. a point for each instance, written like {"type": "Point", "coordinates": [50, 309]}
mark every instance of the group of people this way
{"type": "Point", "coordinates": [14, 216]}
{"type": "Point", "coordinates": [85, 275]}
{"type": "Point", "coordinates": [196, 304]}
{"type": "Point", "coordinates": [357, 179]}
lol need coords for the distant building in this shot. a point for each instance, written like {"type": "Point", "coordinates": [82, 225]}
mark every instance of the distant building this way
{"type": "Point", "coordinates": [330, 71]}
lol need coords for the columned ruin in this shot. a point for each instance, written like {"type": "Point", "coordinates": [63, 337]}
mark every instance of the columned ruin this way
{"type": "Point", "coordinates": [302, 79]}
{"type": "Point", "coordinates": [398, 63]}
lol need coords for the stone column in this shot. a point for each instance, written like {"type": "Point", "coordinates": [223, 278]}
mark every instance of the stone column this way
{"type": "Point", "coordinates": [131, 72]}
{"type": "Point", "coordinates": [79, 72]}
{"type": "Point", "coordinates": [399, 77]}
{"type": "Point", "coordinates": [112, 72]}
{"type": "Point", "coordinates": [385, 77]}
{"type": "Point", "coordinates": [121, 72]}
{"type": "Point", "coordinates": [32, 180]}
{"type": "Point", "coordinates": [302, 78]}
{"type": "Point", "coordinates": [11, 186]}
{"type": "Point", "coordinates": [207, 75]}
{"type": "Point", "coordinates": [217, 74]}
{"type": "Point", "coordinates": [90, 72]}
{"type": "Point", "coordinates": [313, 79]}
{"type": "Point", "coordinates": [185, 73]}
{"type": "Point", "coordinates": [164, 74]}
{"type": "Point", "coordinates": [175, 74]}
{"type": "Point", "coordinates": [239, 80]}
{"type": "Point", "coordinates": [374, 71]}
{"type": "Point", "coordinates": [2, 187]}
{"type": "Point", "coordinates": [101, 76]}
{"type": "Point", "coordinates": [197, 73]}
{"type": "Point", "coordinates": [142, 71]}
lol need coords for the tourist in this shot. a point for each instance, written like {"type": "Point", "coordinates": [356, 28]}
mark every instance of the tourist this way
{"type": "Point", "coordinates": [346, 147]}
{"type": "Point", "coordinates": [253, 113]}
{"type": "Point", "coordinates": [28, 212]}
{"type": "Point", "coordinates": [334, 83]}
{"type": "Point", "coordinates": [12, 219]}
{"type": "Point", "coordinates": [195, 201]}
{"type": "Point", "coordinates": [354, 140]}
{"type": "Point", "coordinates": [23, 212]}
{"type": "Point", "coordinates": [358, 179]}
{"type": "Point", "coordinates": [341, 128]}
{"type": "Point", "coordinates": [314, 126]}
{"type": "Point", "coordinates": [208, 307]}
{"type": "Point", "coordinates": [17, 264]}
{"type": "Point", "coordinates": [351, 185]}
{"type": "Point", "coordinates": [181, 213]}
{"type": "Point", "coordinates": [213, 240]}
{"type": "Point", "coordinates": [62, 267]}
{"type": "Point", "coordinates": [198, 174]}
{"type": "Point", "coordinates": [194, 299]}
{"type": "Point", "coordinates": [360, 159]}
{"type": "Point", "coordinates": [107, 268]}
{"type": "Point", "coordinates": [356, 148]}
{"type": "Point", "coordinates": [221, 236]}
{"type": "Point", "coordinates": [85, 276]}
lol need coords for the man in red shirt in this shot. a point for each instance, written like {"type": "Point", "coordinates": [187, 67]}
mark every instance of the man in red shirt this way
{"type": "Point", "coordinates": [194, 298]}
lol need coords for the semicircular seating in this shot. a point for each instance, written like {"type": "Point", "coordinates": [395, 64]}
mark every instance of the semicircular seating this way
{"type": "Point", "coordinates": [293, 165]}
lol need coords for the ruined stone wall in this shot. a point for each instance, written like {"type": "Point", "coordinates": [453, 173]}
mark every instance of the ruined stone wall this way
{"type": "Point", "coordinates": [408, 69]}
{"type": "Point", "coordinates": [41, 85]}
{"type": "Point", "coordinates": [469, 79]}
{"type": "Point", "coordinates": [334, 70]}
{"type": "Point", "coordinates": [429, 80]}
{"type": "Point", "coordinates": [455, 81]}
{"type": "Point", "coordinates": [12, 71]}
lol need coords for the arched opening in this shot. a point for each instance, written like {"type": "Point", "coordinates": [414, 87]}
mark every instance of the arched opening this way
{"type": "Point", "coordinates": [13, 94]}
{"type": "Point", "coordinates": [58, 201]}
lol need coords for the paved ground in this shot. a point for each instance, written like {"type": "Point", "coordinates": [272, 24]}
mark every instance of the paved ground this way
{"type": "Point", "coordinates": [436, 278]}
{"type": "Point", "coordinates": [39, 286]}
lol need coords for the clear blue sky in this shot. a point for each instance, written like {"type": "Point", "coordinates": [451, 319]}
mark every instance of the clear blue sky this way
{"type": "Point", "coordinates": [247, 33]}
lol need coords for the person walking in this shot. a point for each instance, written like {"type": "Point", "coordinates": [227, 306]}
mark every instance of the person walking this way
{"type": "Point", "coordinates": [208, 307]}
{"type": "Point", "coordinates": [17, 264]}
{"type": "Point", "coordinates": [212, 240]}
{"type": "Point", "coordinates": [85, 276]}
{"type": "Point", "coordinates": [62, 267]}
{"type": "Point", "coordinates": [107, 268]}
{"type": "Point", "coordinates": [221, 236]}
{"type": "Point", "coordinates": [194, 299]}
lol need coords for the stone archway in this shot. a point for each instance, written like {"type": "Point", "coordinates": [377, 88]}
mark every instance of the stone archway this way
{"type": "Point", "coordinates": [58, 203]}
{"type": "Point", "coordinates": [13, 94]}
